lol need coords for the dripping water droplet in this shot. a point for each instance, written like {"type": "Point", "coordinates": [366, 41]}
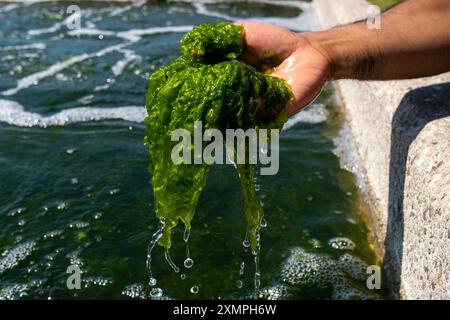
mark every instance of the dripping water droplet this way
{"type": "Point", "coordinates": [242, 269]}
{"type": "Point", "coordinates": [152, 282]}
{"type": "Point", "coordinates": [257, 280]}
{"type": "Point", "coordinates": [188, 263]}
{"type": "Point", "coordinates": [263, 223]}
{"type": "Point", "coordinates": [170, 261]}
{"type": "Point", "coordinates": [187, 233]}
{"type": "Point", "coordinates": [155, 237]}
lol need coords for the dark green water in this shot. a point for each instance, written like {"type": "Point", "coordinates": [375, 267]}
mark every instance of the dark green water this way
{"type": "Point", "coordinates": [74, 180]}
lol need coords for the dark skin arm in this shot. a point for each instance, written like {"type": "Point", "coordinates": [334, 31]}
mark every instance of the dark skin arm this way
{"type": "Point", "coordinates": [414, 41]}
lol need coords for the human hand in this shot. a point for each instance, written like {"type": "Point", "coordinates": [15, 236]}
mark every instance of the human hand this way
{"type": "Point", "coordinates": [304, 68]}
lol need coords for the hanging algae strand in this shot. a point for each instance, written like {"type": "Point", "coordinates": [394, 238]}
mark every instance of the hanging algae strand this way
{"type": "Point", "coordinates": [206, 83]}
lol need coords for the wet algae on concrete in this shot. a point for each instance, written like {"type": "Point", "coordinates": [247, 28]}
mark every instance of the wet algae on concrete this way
{"type": "Point", "coordinates": [206, 83]}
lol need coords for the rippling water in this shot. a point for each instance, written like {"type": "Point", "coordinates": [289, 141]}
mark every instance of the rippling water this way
{"type": "Point", "coordinates": [73, 167]}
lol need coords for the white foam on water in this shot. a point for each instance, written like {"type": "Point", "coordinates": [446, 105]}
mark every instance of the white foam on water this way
{"type": "Point", "coordinates": [134, 35]}
{"type": "Point", "coordinates": [14, 114]}
{"type": "Point", "coordinates": [11, 258]}
{"type": "Point", "coordinates": [19, 290]}
{"type": "Point", "coordinates": [134, 4]}
{"type": "Point", "coordinates": [9, 7]}
{"type": "Point", "coordinates": [90, 32]}
{"type": "Point", "coordinates": [129, 56]}
{"type": "Point", "coordinates": [58, 25]}
{"type": "Point", "coordinates": [57, 67]}
{"type": "Point", "coordinates": [315, 113]}
{"type": "Point", "coordinates": [37, 45]}
{"type": "Point", "coordinates": [306, 20]}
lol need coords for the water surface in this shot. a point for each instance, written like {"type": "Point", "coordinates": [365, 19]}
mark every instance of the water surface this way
{"type": "Point", "coordinates": [74, 180]}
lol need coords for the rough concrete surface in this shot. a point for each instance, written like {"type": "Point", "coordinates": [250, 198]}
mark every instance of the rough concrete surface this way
{"type": "Point", "coordinates": [401, 130]}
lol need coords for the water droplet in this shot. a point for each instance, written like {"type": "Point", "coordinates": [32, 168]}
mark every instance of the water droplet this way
{"type": "Point", "coordinates": [187, 233]}
{"type": "Point", "coordinates": [242, 269]}
{"type": "Point", "coordinates": [239, 284]}
{"type": "Point", "coordinates": [71, 150]}
{"type": "Point", "coordinates": [188, 263]}
{"type": "Point", "coordinates": [183, 276]}
{"type": "Point", "coordinates": [156, 293]}
{"type": "Point", "coordinates": [100, 37]}
{"type": "Point", "coordinates": [74, 181]}
{"type": "Point", "coordinates": [246, 243]}
{"type": "Point", "coordinates": [194, 289]}
{"type": "Point", "coordinates": [257, 280]}
{"type": "Point", "coordinates": [152, 282]}
{"type": "Point", "coordinates": [170, 261]}
{"type": "Point", "coordinates": [263, 223]}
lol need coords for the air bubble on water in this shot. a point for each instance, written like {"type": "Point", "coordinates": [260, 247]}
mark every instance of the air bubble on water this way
{"type": "Point", "coordinates": [152, 282]}
{"type": "Point", "coordinates": [188, 263]}
{"type": "Point", "coordinates": [239, 284]}
{"type": "Point", "coordinates": [341, 243]}
{"type": "Point", "coordinates": [170, 261]}
{"type": "Point", "coordinates": [194, 289]}
{"type": "Point", "coordinates": [156, 293]}
{"type": "Point", "coordinates": [100, 36]}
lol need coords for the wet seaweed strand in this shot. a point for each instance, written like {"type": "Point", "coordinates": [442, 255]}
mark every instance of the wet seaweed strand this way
{"type": "Point", "coordinates": [206, 83]}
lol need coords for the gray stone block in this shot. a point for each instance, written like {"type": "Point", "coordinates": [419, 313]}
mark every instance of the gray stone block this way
{"type": "Point", "coordinates": [401, 130]}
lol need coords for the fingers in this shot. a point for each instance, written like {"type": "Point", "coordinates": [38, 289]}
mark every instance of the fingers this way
{"type": "Point", "coordinates": [266, 40]}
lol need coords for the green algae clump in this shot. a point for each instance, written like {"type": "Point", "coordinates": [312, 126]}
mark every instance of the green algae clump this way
{"type": "Point", "coordinates": [206, 83]}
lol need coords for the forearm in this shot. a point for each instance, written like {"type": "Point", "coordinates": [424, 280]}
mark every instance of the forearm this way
{"type": "Point", "coordinates": [414, 41]}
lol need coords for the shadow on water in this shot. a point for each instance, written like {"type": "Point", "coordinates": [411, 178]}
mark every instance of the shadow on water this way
{"type": "Point", "coordinates": [417, 108]}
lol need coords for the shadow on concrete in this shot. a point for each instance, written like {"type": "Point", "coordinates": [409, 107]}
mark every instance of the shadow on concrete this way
{"type": "Point", "coordinates": [417, 108]}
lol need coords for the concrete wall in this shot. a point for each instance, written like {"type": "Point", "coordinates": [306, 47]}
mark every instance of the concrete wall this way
{"type": "Point", "coordinates": [401, 130]}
